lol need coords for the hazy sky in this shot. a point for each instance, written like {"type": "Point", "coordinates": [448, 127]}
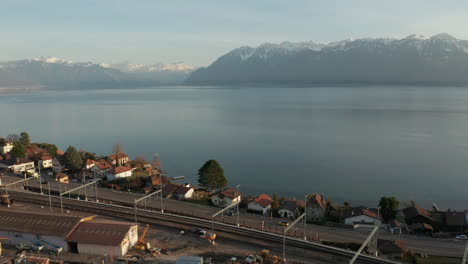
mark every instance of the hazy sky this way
{"type": "Point", "coordinates": [198, 31]}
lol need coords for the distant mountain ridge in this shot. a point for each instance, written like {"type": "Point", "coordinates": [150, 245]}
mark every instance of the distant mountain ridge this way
{"type": "Point", "coordinates": [440, 59]}
{"type": "Point", "coordinates": [59, 73]}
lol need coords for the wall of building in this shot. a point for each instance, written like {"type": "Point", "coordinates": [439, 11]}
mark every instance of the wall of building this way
{"type": "Point", "coordinates": [361, 219]}
{"type": "Point", "coordinates": [286, 213]}
{"type": "Point", "coordinates": [112, 251]}
{"type": "Point", "coordinates": [254, 206]}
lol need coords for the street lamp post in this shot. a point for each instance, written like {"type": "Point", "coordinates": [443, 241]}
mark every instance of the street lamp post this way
{"type": "Point", "coordinates": [40, 178]}
{"type": "Point", "coordinates": [305, 216]}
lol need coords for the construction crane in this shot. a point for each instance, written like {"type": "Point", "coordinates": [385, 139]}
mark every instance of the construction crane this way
{"type": "Point", "coordinates": [56, 249]}
{"type": "Point", "coordinates": [36, 246]}
{"type": "Point", "coordinates": [141, 245]}
{"type": "Point", "coordinates": [2, 238]}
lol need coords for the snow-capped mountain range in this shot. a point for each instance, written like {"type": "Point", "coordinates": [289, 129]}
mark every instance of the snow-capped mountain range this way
{"type": "Point", "coordinates": [414, 59]}
{"type": "Point", "coordinates": [61, 73]}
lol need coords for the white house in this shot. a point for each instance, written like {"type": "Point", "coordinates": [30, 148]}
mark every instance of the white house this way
{"type": "Point", "coordinates": [101, 168]}
{"type": "Point", "coordinates": [45, 162]}
{"type": "Point", "coordinates": [290, 208]}
{"type": "Point", "coordinates": [23, 165]}
{"type": "Point", "coordinates": [89, 164]}
{"type": "Point", "coordinates": [184, 192]}
{"type": "Point", "coordinates": [6, 147]}
{"type": "Point", "coordinates": [361, 216]}
{"type": "Point", "coordinates": [261, 204]}
{"type": "Point", "coordinates": [119, 172]}
{"type": "Point", "coordinates": [56, 166]}
{"type": "Point", "coordinates": [316, 208]}
{"type": "Point", "coordinates": [226, 197]}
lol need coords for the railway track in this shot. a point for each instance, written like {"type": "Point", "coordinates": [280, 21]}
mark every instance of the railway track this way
{"type": "Point", "coordinates": [158, 218]}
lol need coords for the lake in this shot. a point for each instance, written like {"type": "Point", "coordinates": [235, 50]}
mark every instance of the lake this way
{"type": "Point", "coordinates": [348, 143]}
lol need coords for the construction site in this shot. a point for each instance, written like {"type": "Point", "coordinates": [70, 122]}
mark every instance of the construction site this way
{"type": "Point", "coordinates": [32, 234]}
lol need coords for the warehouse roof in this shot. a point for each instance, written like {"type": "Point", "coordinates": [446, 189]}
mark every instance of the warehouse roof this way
{"type": "Point", "coordinates": [38, 223]}
{"type": "Point", "coordinates": [100, 232]}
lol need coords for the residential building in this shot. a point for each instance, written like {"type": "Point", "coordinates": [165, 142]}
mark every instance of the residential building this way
{"type": "Point", "coordinates": [6, 147]}
{"type": "Point", "coordinates": [290, 208]}
{"type": "Point", "coordinates": [63, 178]}
{"type": "Point", "coordinates": [184, 192]}
{"type": "Point", "coordinates": [101, 168]}
{"type": "Point", "coordinates": [456, 221]}
{"type": "Point", "coordinates": [89, 164]}
{"type": "Point", "coordinates": [316, 208]}
{"type": "Point", "coordinates": [169, 189]}
{"type": "Point", "coordinates": [118, 159]}
{"type": "Point", "coordinates": [393, 249]}
{"type": "Point", "coordinates": [226, 197]}
{"type": "Point", "coordinates": [56, 166]}
{"type": "Point", "coordinates": [362, 216]}
{"type": "Point", "coordinates": [119, 172]}
{"type": "Point", "coordinates": [416, 214]}
{"type": "Point", "coordinates": [261, 204]}
{"type": "Point", "coordinates": [45, 162]}
{"type": "Point", "coordinates": [34, 152]}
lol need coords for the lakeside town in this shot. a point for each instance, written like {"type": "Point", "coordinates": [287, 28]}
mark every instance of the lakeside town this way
{"type": "Point", "coordinates": [117, 171]}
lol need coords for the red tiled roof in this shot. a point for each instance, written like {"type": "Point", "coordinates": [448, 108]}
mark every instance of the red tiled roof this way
{"type": "Point", "coordinates": [62, 176]}
{"type": "Point", "coordinates": [263, 200]}
{"type": "Point", "coordinates": [100, 232]}
{"type": "Point", "coordinates": [46, 158]}
{"type": "Point", "coordinates": [118, 155]}
{"type": "Point", "coordinates": [414, 210]}
{"type": "Point", "coordinates": [102, 165]}
{"type": "Point", "coordinates": [90, 162]}
{"type": "Point", "coordinates": [60, 153]}
{"type": "Point", "coordinates": [317, 199]}
{"type": "Point", "coordinates": [231, 193]}
{"type": "Point", "coordinates": [117, 170]}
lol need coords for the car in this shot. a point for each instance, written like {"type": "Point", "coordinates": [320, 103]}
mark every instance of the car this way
{"type": "Point", "coordinates": [50, 173]}
{"type": "Point", "coordinates": [462, 237]}
{"type": "Point", "coordinates": [199, 231]}
{"type": "Point", "coordinates": [283, 223]}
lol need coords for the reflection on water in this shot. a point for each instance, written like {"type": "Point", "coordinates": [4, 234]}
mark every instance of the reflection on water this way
{"type": "Point", "coordinates": [350, 143]}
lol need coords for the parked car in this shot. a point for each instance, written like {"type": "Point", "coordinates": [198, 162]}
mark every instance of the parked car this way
{"type": "Point", "coordinates": [461, 237]}
{"type": "Point", "coordinates": [283, 223]}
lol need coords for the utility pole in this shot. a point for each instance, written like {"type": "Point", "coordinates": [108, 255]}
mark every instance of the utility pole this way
{"type": "Point", "coordinates": [50, 198]}
{"type": "Point", "coordinates": [95, 180]}
{"type": "Point", "coordinates": [238, 202]}
{"type": "Point", "coordinates": [305, 216]}
{"type": "Point", "coordinates": [40, 178]}
{"type": "Point", "coordinates": [61, 202]}
{"type": "Point", "coordinates": [161, 188]}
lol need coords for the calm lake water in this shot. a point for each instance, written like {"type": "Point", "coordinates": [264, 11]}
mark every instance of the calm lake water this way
{"type": "Point", "coordinates": [349, 143]}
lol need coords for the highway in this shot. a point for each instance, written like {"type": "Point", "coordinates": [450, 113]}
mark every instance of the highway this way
{"type": "Point", "coordinates": [421, 244]}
